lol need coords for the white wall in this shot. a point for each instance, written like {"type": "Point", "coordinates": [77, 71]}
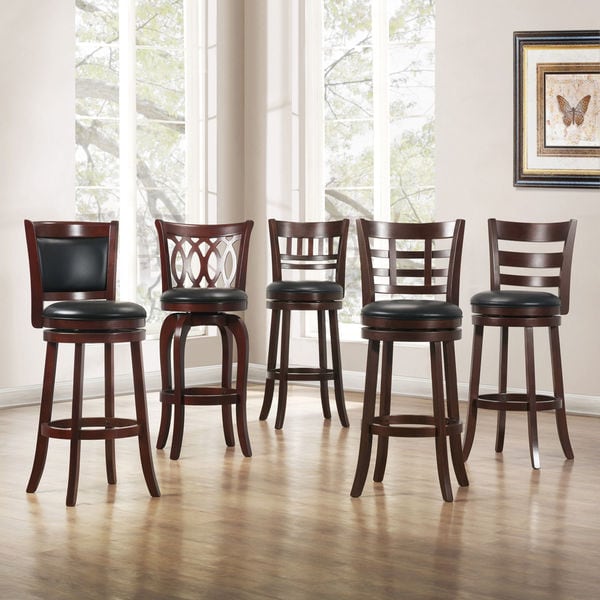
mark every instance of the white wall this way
{"type": "Point", "coordinates": [474, 174]}
{"type": "Point", "coordinates": [474, 119]}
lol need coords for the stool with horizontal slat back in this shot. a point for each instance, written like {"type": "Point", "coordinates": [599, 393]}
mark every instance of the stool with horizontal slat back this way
{"type": "Point", "coordinates": [316, 247]}
{"type": "Point", "coordinates": [524, 257]}
{"type": "Point", "coordinates": [203, 271]}
{"type": "Point", "coordinates": [403, 267]}
{"type": "Point", "coordinates": [73, 267]}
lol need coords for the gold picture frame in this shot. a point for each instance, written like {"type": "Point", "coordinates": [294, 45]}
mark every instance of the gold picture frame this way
{"type": "Point", "coordinates": [557, 109]}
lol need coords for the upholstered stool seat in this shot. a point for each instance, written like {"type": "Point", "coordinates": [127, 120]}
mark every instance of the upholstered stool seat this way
{"type": "Point", "coordinates": [317, 247]}
{"type": "Point", "coordinates": [203, 271]}
{"type": "Point", "coordinates": [524, 257]}
{"type": "Point", "coordinates": [414, 260]}
{"type": "Point", "coordinates": [73, 283]}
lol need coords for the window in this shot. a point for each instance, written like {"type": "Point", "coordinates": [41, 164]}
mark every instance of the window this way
{"type": "Point", "coordinates": [140, 121]}
{"type": "Point", "coordinates": [378, 110]}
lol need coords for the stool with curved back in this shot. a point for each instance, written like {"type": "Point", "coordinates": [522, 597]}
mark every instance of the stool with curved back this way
{"type": "Point", "coordinates": [524, 257]}
{"type": "Point", "coordinates": [415, 261]}
{"type": "Point", "coordinates": [203, 272]}
{"type": "Point", "coordinates": [73, 267]}
{"type": "Point", "coordinates": [302, 247]}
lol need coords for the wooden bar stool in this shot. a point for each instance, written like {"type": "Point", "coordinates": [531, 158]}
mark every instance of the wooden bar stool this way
{"type": "Point", "coordinates": [73, 265]}
{"type": "Point", "coordinates": [301, 247]}
{"type": "Point", "coordinates": [402, 266]}
{"type": "Point", "coordinates": [524, 257]}
{"type": "Point", "coordinates": [203, 271]}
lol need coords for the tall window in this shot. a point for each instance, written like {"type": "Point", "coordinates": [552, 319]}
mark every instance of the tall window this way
{"type": "Point", "coordinates": [139, 89]}
{"type": "Point", "coordinates": [378, 93]}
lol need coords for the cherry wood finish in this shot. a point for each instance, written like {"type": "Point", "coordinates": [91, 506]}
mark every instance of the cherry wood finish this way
{"type": "Point", "coordinates": [523, 256]}
{"type": "Point", "coordinates": [303, 247]}
{"type": "Point", "coordinates": [78, 315]}
{"type": "Point", "coordinates": [415, 261]}
{"type": "Point", "coordinates": [203, 271]}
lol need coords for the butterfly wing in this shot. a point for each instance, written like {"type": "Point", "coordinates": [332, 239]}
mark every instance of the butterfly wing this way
{"type": "Point", "coordinates": [580, 109]}
{"type": "Point", "coordinates": [565, 109]}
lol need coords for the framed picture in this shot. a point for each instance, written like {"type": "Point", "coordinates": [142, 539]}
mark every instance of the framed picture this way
{"type": "Point", "coordinates": [557, 109]}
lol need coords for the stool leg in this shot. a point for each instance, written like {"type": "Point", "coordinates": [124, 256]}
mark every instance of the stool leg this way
{"type": "Point", "coordinates": [531, 399]}
{"type": "Point", "coordinates": [283, 369]}
{"type": "Point", "coordinates": [226, 368]}
{"type": "Point", "coordinates": [271, 365]}
{"type": "Point", "coordinates": [502, 381]}
{"type": "Point", "coordinates": [141, 411]}
{"type": "Point", "coordinates": [240, 333]}
{"type": "Point", "coordinates": [41, 447]}
{"type": "Point", "coordinates": [366, 437]}
{"type": "Point", "coordinates": [557, 378]}
{"type": "Point", "coordinates": [473, 390]}
{"type": "Point", "coordinates": [453, 413]}
{"type": "Point", "coordinates": [76, 409]}
{"type": "Point", "coordinates": [439, 416]}
{"type": "Point", "coordinates": [109, 411]}
{"type": "Point", "coordinates": [166, 341]}
{"type": "Point", "coordinates": [323, 383]}
{"type": "Point", "coordinates": [385, 403]}
{"type": "Point", "coordinates": [336, 359]}
{"type": "Point", "coordinates": [180, 334]}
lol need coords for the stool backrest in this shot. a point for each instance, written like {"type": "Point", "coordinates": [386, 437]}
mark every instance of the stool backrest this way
{"type": "Point", "coordinates": [532, 255]}
{"type": "Point", "coordinates": [203, 255]}
{"type": "Point", "coordinates": [70, 260]}
{"type": "Point", "coordinates": [400, 259]}
{"type": "Point", "coordinates": [310, 246]}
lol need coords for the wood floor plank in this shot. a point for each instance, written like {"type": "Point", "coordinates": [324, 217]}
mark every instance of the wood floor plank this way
{"type": "Point", "coordinates": [282, 525]}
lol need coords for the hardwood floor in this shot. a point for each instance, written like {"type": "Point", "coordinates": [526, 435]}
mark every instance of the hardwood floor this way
{"type": "Point", "coordinates": [282, 524]}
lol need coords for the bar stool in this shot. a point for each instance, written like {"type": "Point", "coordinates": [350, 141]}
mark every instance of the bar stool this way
{"type": "Point", "coordinates": [300, 247]}
{"type": "Point", "coordinates": [414, 261]}
{"type": "Point", "coordinates": [203, 272]}
{"type": "Point", "coordinates": [523, 256]}
{"type": "Point", "coordinates": [73, 265]}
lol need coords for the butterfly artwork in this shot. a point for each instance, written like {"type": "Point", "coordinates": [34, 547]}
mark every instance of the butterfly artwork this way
{"type": "Point", "coordinates": [573, 114]}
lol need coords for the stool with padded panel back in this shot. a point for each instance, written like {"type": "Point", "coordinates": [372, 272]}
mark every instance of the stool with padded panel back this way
{"type": "Point", "coordinates": [523, 258]}
{"type": "Point", "coordinates": [203, 272]}
{"type": "Point", "coordinates": [301, 247]}
{"type": "Point", "coordinates": [404, 267]}
{"type": "Point", "coordinates": [73, 270]}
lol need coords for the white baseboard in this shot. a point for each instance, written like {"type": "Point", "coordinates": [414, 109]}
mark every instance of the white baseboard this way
{"type": "Point", "coordinates": [353, 381]}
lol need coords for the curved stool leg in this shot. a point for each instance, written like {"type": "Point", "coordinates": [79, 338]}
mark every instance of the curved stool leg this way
{"type": "Point", "coordinates": [557, 377]}
{"type": "Point", "coordinates": [238, 328]}
{"type": "Point", "coordinates": [166, 339]}
{"type": "Point", "coordinates": [323, 383]}
{"type": "Point", "coordinates": [75, 444]}
{"type": "Point", "coordinates": [473, 390]}
{"type": "Point", "coordinates": [502, 382]}
{"type": "Point", "coordinates": [142, 419]}
{"type": "Point", "coordinates": [41, 447]}
{"type": "Point", "coordinates": [180, 334]}
{"type": "Point", "coordinates": [337, 368]}
{"type": "Point", "coordinates": [385, 403]}
{"type": "Point", "coordinates": [453, 413]}
{"type": "Point", "coordinates": [109, 411]}
{"type": "Point", "coordinates": [226, 368]}
{"type": "Point", "coordinates": [366, 437]}
{"type": "Point", "coordinates": [271, 364]}
{"type": "Point", "coordinates": [283, 369]}
{"type": "Point", "coordinates": [439, 415]}
{"type": "Point", "coordinates": [531, 398]}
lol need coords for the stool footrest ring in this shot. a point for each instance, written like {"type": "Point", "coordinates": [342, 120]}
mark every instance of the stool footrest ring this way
{"type": "Point", "coordinates": [303, 374]}
{"type": "Point", "coordinates": [104, 428]}
{"type": "Point", "coordinates": [203, 396]}
{"type": "Point", "coordinates": [412, 426]}
{"type": "Point", "coordinates": [507, 401]}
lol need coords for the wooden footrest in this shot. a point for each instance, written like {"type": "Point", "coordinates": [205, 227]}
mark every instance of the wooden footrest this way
{"type": "Point", "coordinates": [206, 396]}
{"type": "Point", "coordinates": [516, 402]}
{"type": "Point", "coordinates": [303, 374]}
{"type": "Point", "coordinates": [412, 426]}
{"type": "Point", "coordinates": [102, 428]}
